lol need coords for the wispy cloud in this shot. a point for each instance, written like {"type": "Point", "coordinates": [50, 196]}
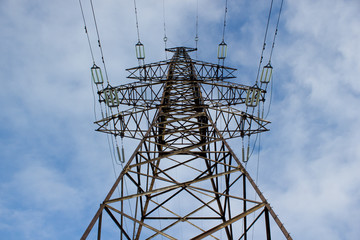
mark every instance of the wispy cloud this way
{"type": "Point", "coordinates": [55, 170]}
{"type": "Point", "coordinates": [315, 121]}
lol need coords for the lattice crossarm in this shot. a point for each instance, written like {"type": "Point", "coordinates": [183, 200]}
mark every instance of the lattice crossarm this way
{"type": "Point", "coordinates": [159, 70]}
{"type": "Point", "coordinates": [229, 94]}
{"type": "Point", "coordinates": [132, 94]}
{"type": "Point", "coordinates": [150, 72]}
{"type": "Point", "coordinates": [132, 123]}
{"type": "Point", "coordinates": [213, 72]}
{"type": "Point", "coordinates": [234, 123]}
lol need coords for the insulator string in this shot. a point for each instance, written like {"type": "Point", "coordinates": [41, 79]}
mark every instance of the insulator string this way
{"type": "Point", "coordinates": [94, 98]}
{"type": "Point", "coordinates": [139, 47]}
{"type": "Point", "coordinates": [271, 96]}
{"type": "Point", "coordinates": [99, 42]}
{"type": "Point", "coordinates": [222, 48]}
{"type": "Point", "coordinates": [264, 44]}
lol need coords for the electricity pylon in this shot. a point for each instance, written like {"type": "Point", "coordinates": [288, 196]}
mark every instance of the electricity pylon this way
{"type": "Point", "coordinates": [183, 180]}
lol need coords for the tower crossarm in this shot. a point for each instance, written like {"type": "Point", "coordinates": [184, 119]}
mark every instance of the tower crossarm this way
{"type": "Point", "coordinates": [132, 123]}
{"type": "Point", "coordinates": [214, 93]}
{"type": "Point", "coordinates": [234, 123]}
{"type": "Point", "coordinates": [204, 71]}
{"type": "Point", "coordinates": [136, 93]}
{"type": "Point", "coordinates": [227, 93]}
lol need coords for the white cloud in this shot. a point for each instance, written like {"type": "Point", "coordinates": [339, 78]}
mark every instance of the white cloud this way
{"type": "Point", "coordinates": [44, 188]}
{"type": "Point", "coordinates": [315, 122]}
{"type": "Point", "coordinates": [49, 153]}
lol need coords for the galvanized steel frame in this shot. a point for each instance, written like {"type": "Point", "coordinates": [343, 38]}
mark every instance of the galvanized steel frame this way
{"type": "Point", "coordinates": [185, 135]}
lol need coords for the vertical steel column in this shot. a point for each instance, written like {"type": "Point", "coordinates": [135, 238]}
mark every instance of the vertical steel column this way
{"type": "Point", "coordinates": [244, 208]}
{"type": "Point", "coordinates": [267, 224]}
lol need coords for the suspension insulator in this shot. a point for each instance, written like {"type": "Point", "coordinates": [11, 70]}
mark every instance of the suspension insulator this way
{"type": "Point", "coordinates": [122, 155]}
{"type": "Point", "coordinates": [97, 75]}
{"type": "Point", "coordinates": [140, 51]}
{"type": "Point", "coordinates": [111, 97]}
{"type": "Point", "coordinates": [118, 153]}
{"type": "Point", "coordinates": [245, 154]}
{"type": "Point", "coordinates": [266, 74]}
{"type": "Point", "coordinates": [253, 97]}
{"type": "Point", "coordinates": [222, 50]}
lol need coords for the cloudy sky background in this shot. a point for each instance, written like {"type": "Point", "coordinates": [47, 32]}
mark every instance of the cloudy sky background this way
{"type": "Point", "coordinates": [55, 170]}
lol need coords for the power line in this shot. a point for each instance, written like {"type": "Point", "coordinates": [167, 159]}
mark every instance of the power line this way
{"type": "Point", "coordinates": [264, 44]}
{"type": "Point", "coordinates": [197, 26]}
{"type": "Point", "coordinates": [222, 48]}
{"type": "Point", "coordinates": [99, 42]}
{"type": "Point", "coordinates": [86, 31]}
{"type": "Point", "coordinates": [226, 9]}
{"type": "Point", "coordinates": [137, 21]}
{"type": "Point", "coordinates": [139, 47]}
{"type": "Point", "coordinates": [276, 30]}
{"type": "Point", "coordinates": [165, 37]}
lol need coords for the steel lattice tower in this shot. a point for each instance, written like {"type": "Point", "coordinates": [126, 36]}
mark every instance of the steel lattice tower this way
{"type": "Point", "coordinates": [183, 180]}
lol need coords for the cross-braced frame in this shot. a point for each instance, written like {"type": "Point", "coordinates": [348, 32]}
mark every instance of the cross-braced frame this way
{"type": "Point", "coordinates": [183, 180]}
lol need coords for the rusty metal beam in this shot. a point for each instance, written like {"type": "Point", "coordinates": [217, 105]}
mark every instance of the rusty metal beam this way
{"type": "Point", "coordinates": [228, 222]}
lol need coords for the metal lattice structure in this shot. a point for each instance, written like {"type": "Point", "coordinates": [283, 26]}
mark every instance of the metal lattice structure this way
{"type": "Point", "coordinates": [183, 180]}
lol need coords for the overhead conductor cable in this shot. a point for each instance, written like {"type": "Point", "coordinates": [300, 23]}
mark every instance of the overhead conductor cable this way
{"type": "Point", "coordinates": [165, 37]}
{"type": "Point", "coordinates": [99, 42]}
{"type": "Point", "coordinates": [139, 47]}
{"type": "Point", "coordinates": [264, 43]}
{"type": "Point", "coordinates": [222, 49]}
{"type": "Point", "coordinates": [276, 30]}
{"type": "Point", "coordinates": [197, 26]}
{"type": "Point", "coordinates": [87, 34]}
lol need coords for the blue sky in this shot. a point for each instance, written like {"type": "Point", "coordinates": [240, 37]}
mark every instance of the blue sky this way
{"type": "Point", "coordinates": [55, 169]}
